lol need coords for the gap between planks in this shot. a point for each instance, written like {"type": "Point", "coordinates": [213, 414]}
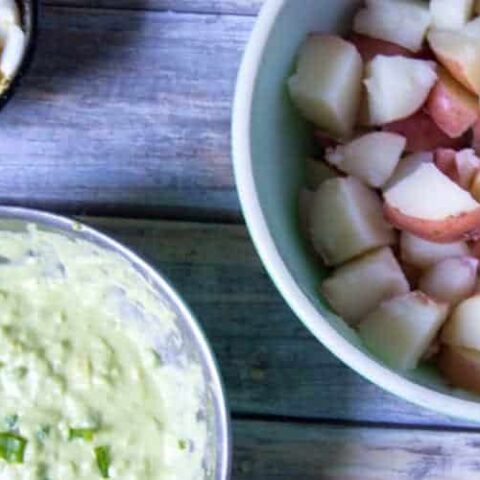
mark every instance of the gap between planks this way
{"type": "Point", "coordinates": [264, 451]}
{"type": "Point", "coordinates": [205, 7]}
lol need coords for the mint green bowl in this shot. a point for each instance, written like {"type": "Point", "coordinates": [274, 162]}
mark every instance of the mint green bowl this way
{"type": "Point", "coordinates": [269, 142]}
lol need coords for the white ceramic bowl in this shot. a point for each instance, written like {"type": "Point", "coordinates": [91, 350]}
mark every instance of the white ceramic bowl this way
{"type": "Point", "coordinates": [269, 141]}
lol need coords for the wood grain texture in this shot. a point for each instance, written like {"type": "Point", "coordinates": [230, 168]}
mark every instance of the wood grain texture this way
{"type": "Point", "coordinates": [265, 451]}
{"type": "Point", "coordinates": [126, 112]}
{"type": "Point", "coordinates": [231, 7]}
{"type": "Point", "coordinates": [272, 365]}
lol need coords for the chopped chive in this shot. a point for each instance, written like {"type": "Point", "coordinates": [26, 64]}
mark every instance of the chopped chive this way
{"type": "Point", "coordinates": [42, 472]}
{"type": "Point", "coordinates": [182, 444]}
{"type": "Point", "coordinates": [86, 434]}
{"type": "Point", "coordinates": [12, 447]}
{"type": "Point", "coordinates": [157, 358]}
{"type": "Point", "coordinates": [21, 372]}
{"type": "Point", "coordinates": [102, 455]}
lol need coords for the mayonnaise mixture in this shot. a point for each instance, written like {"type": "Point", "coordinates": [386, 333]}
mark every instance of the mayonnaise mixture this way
{"type": "Point", "coordinates": [83, 394]}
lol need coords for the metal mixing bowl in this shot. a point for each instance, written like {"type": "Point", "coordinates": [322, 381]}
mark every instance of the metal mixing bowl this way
{"type": "Point", "coordinates": [194, 342]}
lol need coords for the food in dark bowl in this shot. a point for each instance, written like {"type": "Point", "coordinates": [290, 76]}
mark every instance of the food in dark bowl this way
{"type": "Point", "coordinates": [18, 26]}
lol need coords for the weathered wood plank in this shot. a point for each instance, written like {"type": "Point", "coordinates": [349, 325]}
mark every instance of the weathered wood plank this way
{"type": "Point", "coordinates": [265, 451]}
{"type": "Point", "coordinates": [271, 364]}
{"type": "Point", "coordinates": [232, 7]}
{"type": "Point", "coordinates": [126, 112]}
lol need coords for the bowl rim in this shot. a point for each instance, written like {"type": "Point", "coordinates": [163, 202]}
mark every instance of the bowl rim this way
{"type": "Point", "coordinates": [152, 275]}
{"type": "Point", "coordinates": [275, 265]}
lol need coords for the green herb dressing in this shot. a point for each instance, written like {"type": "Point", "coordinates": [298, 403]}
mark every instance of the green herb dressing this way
{"type": "Point", "coordinates": [78, 381]}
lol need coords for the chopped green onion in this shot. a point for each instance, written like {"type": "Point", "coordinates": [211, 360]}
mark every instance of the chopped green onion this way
{"type": "Point", "coordinates": [86, 434]}
{"type": "Point", "coordinates": [182, 444]}
{"type": "Point", "coordinates": [102, 454]}
{"type": "Point", "coordinates": [42, 472]}
{"type": "Point", "coordinates": [12, 447]}
{"type": "Point", "coordinates": [157, 358]}
{"type": "Point", "coordinates": [20, 372]}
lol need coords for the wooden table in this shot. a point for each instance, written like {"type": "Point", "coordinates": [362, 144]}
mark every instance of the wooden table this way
{"type": "Point", "coordinates": [125, 119]}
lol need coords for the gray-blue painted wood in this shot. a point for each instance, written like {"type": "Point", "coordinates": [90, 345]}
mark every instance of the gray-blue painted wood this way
{"type": "Point", "coordinates": [126, 112]}
{"type": "Point", "coordinates": [286, 451]}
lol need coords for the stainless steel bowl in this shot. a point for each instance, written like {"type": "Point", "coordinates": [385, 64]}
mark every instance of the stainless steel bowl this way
{"type": "Point", "coordinates": [29, 17]}
{"type": "Point", "coordinates": [218, 456]}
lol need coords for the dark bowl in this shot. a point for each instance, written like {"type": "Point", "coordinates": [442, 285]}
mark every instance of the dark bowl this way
{"type": "Point", "coordinates": [29, 16]}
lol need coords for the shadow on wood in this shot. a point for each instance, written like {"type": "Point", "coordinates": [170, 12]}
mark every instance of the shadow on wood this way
{"type": "Point", "coordinates": [76, 44]}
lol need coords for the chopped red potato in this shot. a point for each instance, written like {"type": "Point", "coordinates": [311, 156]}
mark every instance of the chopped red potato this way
{"type": "Point", "coordinates": [399, 113]}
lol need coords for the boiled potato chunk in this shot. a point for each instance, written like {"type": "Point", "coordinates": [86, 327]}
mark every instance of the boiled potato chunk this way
{"type": "Point", "coordinates": [359, 286]}
{"type": "Point", "coordinates": [372, 157]}
{"type": "Point", "coordinates": [400, 330]}
{"type": "Point", "coordinates": [463, 327]}
{"type": "Point", "coordinates": [451, 14]}
{"type": "Point", "coordinates": [459, 53]}
{"type": "Point", "coordinates": [327, 84]}
{"type": "Point", "coordinates": [423, 254]}
{"type": "Point", "coordinates": [397, 87]}
{"type": "Point", "coordinates": [346, 220]}
{"type": "Point", "coordinates": [404, 22]}
{"type": "Point", "coordinates": [426, 203]}
{"type": "Point", "coordinates": [453, 108]}
{"type": "Point", "coordinates": [461, 367]}
{"type": "Point", "coordinates": [450, 280]}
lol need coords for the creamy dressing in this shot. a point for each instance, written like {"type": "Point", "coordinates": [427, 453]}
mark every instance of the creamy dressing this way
{"type": "Point", "coordinates": [74, 357]}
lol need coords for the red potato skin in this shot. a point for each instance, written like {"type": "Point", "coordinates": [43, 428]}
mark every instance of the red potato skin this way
{"type": "Point", "coordinates": [460, 370]}
{"type": "Point", "coordinates": [476, 137]}
{"type": "Point", "coordinates": [453, 111]}
{"type": "Point", "coordinates": [423, 134]}
{"type": "Point", "coordinates": [467, 168]}
{"type": "Point", "coordinates": [412, 274]}
{"type": "Point", "coordinates": [444, 159]}
{"type": "Point", "coordinates": [369, 47]}
{"type": "Point", "coordinates": [432, 351]}
{"type": "Point", "coordinates": [465, 226]}
{"type": "Point", "coordinates": [324, 140]}
{"type": "Point", "coordinates": [475, 249]}
{"type": "Point", "coordinates": [363, 117]}
{"type": "Point", "coordinates": [426, 53]}
{"type": "Point", "coordinates": [475, 187]}
{"type": "Point", "coordinates": [449, 164]}
{"type": "Point", "coordinates": [456, 70]}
